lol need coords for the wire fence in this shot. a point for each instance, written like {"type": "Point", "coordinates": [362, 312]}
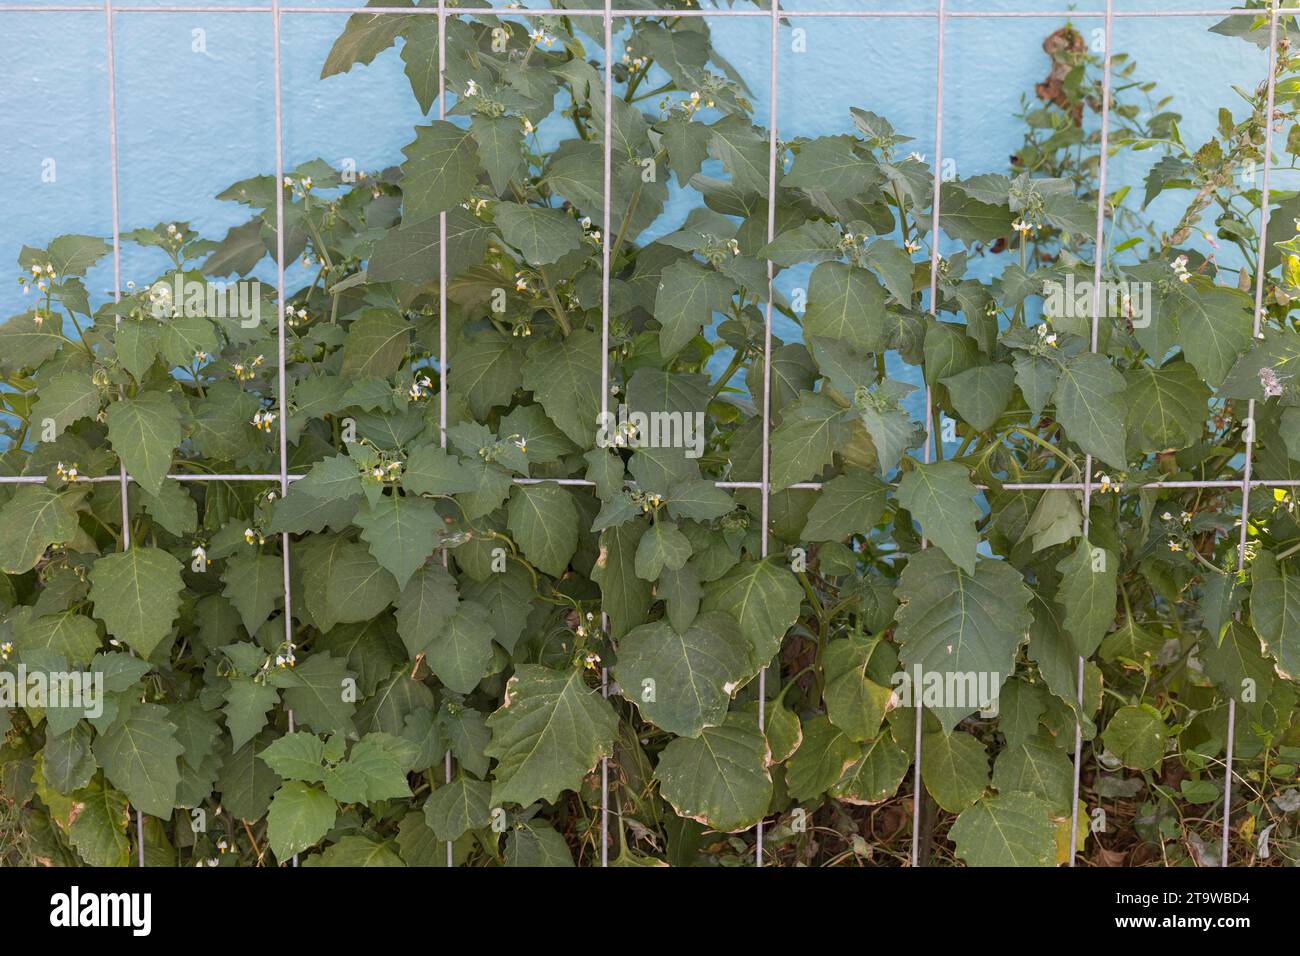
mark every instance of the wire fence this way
{"type": "Point", "coordinates": [775, 14]}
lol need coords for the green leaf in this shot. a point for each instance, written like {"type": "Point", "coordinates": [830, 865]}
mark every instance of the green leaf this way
{"type": "Point", "coordinates": [376, 344]}
{"type": "Point", "coordinates": [255, 586]}
{"type": "Point", "coordinates": [500, 142]}
{"type": "Point", "coordinates": [764, 597]}
{"type": "Point", "coordinates": [684, 680]}
{"type": "Point", "coordinates": [137, 594]}
{"type": "Point", "coordinates": [1167, 407]}
{"type": "Point", "coordinates": [939, 496]}
{"type": "Point", "coordinates": [1137, 736]}
{"type": "Point", "coordinates": [981, 394]}
{"type": "Point", "coordinates": [542, 235]}
{"type": "Point", "coordinates": [402, 533]}
{"type": "Point", "coordinates": [139, 758]}
{"type": "Point", "coordinates": [314, 691]}
{"type": "Point", "coordinates": [565, 378]}
{"type": "Point", "coordinates": [65, 399]}
{"type": "Point", "coordinates": [460, 653]}
{"type": "Point", "coordinates": [544, 521]}
{"type": "Point", "coordinates": [954, 769]}
{"type": "Point", "coordinates": [855, 703]}
{"type": "Point", "coordinates": [812, 429]}
{"type": "Point", "coordinates": [247, 704]}
{"type": "Point", "coordinates": [1087, 594]}
{"type": "Point", "coordinates": [425, 606]}
{"type": "Point", "coordinates": [951, 622]}
{"type": "Point", "coordinates": [624, 596]}
{"type": "Point", "coordinates": [34, 519]}
{"type": "Point", "coordinates": [299, 818]}
{"type": "Point", "coordinates": [1036, 765]}
{"type": "Point", "coordinates": [297, 756]}
{"type": "Point", "coordinates": [144, 431]}
{"type": "Point", "coordinates": [821, 760]}
{"type": "Point", "coordinates": [719, 778]}
{"type": "Point", "coordinates": [1275, 612]}
{"type": "Point", "coordinates": [441, 169]}
{"type": "Point", "coordinates": [1088, 406]}
{"type": "Point", "coordinates": [688, 295]}
{"type": "Point", "coordinates": [1214, 328]}
{"type": "Point", "coordinates": [846, 304]}
{"type": "Point", "coordinates": [457, 807]}
{"type": "Point", "coordinates": [1011, 829]}
{"type": "Point", "coordinates": [374, 771]}
{"type": "Point", "coordinates": [851, 504]}
{"type": "Point", "coordinates": [663, 546]}
{"type": "Point", "coordinates": [99, 831]}
{"type": "Point", "coordinates": [549, 734]}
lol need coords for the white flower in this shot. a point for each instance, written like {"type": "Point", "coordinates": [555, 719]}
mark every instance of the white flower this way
{"type": "Point", "coordinates": [911, 245]}
{"type": "Point", "coordinates": [471, 89]}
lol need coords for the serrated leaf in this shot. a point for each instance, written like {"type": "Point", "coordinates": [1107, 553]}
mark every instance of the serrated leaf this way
{"type": "Point", "coordinates": [544, 521]}
{"type": "Point", "coordinates": [139, 758]}
{"type": "Point", "coordinates": [1010, 829]}
{"type": "Point", "coordinates": [550, 732]}
{"type": "Point", "coordinates": [951, 622]}
{"type": "Point", "coordinates": [764, 598]}
{"type": "Point", "coordinates": [144, 432]}
{"type": "Point", "coordinates": [137, 594]}
{"type": "Point", "coordinates": [939, 496]}
{"type": "Point", "coordinates": [299, 817]}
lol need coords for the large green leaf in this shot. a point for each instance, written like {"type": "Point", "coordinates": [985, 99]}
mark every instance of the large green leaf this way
{"type": "Point", "coordinates": [144, 431]}
{"type": "Point", "coordinates": [939, 496]}
{"type": "Point", "coordinates": [137, 594]}
{"type": "Point", "coordinates": [402, 533]}
{"type": "Point", "coordinates": [1088, 406]}
{"type": "Point", "coordinates": [1275, 612]}
{"type": "Point", "coordinates": [544, 521]}
{"type": "Point", "coordinates": [1010, 829]}
{"type": "Point", "coordinates": [764, 597]}
{"type": "Point", "coordinates": [139, 758]}
{"type": "Point", "coordinates": [719, 778]}
{"type": "Point", "coordinates": [30, 522]}
{"type": "Point", "coordinates": [549, 734]}
{"type": "Point", "coordinates": [963, 625]}
{"type": "Point", "coordinates": [683, 681]}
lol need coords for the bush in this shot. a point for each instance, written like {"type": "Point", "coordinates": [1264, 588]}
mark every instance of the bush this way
{"type": "Point", "coordinates": [551, 563]}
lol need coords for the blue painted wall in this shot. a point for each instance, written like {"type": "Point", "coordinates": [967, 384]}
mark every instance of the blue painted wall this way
{"type": "Point", "coordinates": [190, 123]}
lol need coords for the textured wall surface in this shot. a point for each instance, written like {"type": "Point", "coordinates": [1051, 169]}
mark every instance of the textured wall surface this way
{"type": "Point", "coordinates": [192, 122]}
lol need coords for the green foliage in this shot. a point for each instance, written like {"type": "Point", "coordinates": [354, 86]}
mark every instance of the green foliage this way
{"type": "Point", "coordinates": [495, 591]}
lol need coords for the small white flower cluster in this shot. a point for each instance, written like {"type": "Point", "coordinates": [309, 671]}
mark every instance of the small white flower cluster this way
{"type": "Point", "coordinates": [582, 632]}
{"type": "Point", "coordinates": [286, 659]}
{"type": "Point", "coordinates": [1105, 483]}
{"type": "Point", "coordinates": [1186, 518]}
{"type": "Point", "coordinates": [245, 371]}
{"type": "Point", "coordinates": [911, 245]}
{"type": "Point", "coordinates": [264, 420]}
{"type": "Point", "coordinates": [295, 316]}
{"type": "Point", "coordinates": [389, 472]}
{"type": "Point", "coordinates": [6, 649]}
{"type": "Point", "coordinates": [590, 233]}
{"type": "Point", "coordinates": [635, 62]}
{"type": "Point", "coordinates": [1024, 227]}
{"type": "Point", "coordinates": [41, 276]}
{"type": "Point", "coordinates": [299, 187]}
{"type": "Point", "coordinates": [471, 89]}
{"type": "Point", "coordinates": [1045, 335]}
{"type": "Point", "coordinates": [67, 474]}
{"type": "Point", "coordinates": [253, 536]}
{"type": "Point", "coordinates": [542, 38]}
{"type": "Point", "coordinates": [1180, 269]}
{"type": "Point", "coordinates": [420, 388]}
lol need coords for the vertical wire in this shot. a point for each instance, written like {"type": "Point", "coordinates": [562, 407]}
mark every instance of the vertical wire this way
{"type": "Point", "coordinates": [110, 63]}
{"type": "Point", "coordinates": [607, 196]}
{"type": "Point", "coordinates": [917, 791]}
{"type": "Point", "coordinates": [1250, 406]}
{"type": "Point", "coordinates": [281, 376]}
{"type": "Point", "coordinates": [1098, 253]}
{"type": "Point", "coordinates": [442, 316]}
{"type": "Point", "coordinates": [766, 492]}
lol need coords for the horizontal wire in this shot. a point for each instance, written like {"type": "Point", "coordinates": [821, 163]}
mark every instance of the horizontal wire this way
{"type": "Point", "coordinates": [738, 485]}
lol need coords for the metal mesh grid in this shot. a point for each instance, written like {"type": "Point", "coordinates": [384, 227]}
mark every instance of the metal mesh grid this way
{"type": "Point", "coordinates": [941, 15]}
